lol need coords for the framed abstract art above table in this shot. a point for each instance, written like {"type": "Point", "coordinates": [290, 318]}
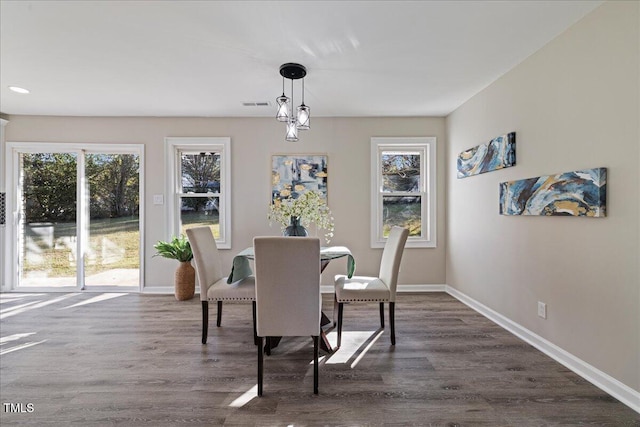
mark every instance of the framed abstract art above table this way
{"type": "Point", "coordinates": [294, 174]}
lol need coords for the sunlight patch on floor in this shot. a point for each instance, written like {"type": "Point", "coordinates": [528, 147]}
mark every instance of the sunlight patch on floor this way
{"type": "Point", "coordinates": [352, 345]}
{"type": "Point", "coordinates": [245, 397]}
{"type": "Point", "coordinates": [30, 306]}
{"type": "Point", "coordinates": [19, 347]}
{"type": "Point", "coordinates": [99, 298]}
{"type": "Point", "coordinates": [18, 307]}
{"type": "Point", "coordinates": [5, 298]}
{"type": "Point", "coordinates": [14, 337]}
{"type": "Point", "coordinates": [366, 349]}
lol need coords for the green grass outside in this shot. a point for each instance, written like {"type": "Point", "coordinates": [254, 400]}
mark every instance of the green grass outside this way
{"type": "Point", "coordinates": [51, 247]}
{"type": "Point", "coordinates": [405, 215]}
{"type": "Point", "coordinates": [199, 219]}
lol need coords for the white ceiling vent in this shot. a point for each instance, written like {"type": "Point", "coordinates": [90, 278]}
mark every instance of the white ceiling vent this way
{"type": "Point", "coordinates": [257, 104]}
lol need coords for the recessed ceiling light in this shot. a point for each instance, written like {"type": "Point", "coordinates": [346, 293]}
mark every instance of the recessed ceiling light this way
{"type": "Point", "coordinates": [18, 89]}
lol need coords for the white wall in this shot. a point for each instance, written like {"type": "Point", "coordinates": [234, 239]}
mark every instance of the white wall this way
{"type": "Point", "coordinates": [573, 105]}
{"type": "Point", "coordinates": [346, 141]}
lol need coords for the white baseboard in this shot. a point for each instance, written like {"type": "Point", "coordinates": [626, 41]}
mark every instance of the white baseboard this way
{"type": "Point", "coordinates": [166, 290]}
{"type": "Point", "coordinates": [605, 382]}
{"type": "Point", "coordinates": [328, 289]}
{"type": "Point", "coordinates": [422, 288]}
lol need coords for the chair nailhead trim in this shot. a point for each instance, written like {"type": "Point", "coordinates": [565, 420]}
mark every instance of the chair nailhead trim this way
{"type": "Point", "coordinates": [359, 299]}
{"type": "Point", "coordinates": [231, 299]}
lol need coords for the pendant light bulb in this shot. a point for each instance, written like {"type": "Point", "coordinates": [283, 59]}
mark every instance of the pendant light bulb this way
{"type": "Point", "coordinates": [283, 108]}
{"type": "Point", "coordinates": [282, 115]}
{"type": "Point", "coordinates": [292, 130]}
{"type": "Point", "coordinates": [303, 117]}
{"type": "Point", "coordinates": [304, 113]}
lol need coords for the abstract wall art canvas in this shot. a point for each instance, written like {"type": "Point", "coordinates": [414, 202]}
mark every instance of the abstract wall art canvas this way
{"type": "Point", "coordinates": [577, 193]}
{"type": "Point", "coordinates": [496, 154]}
{"type": "Point", "coordinates": [295, 174]}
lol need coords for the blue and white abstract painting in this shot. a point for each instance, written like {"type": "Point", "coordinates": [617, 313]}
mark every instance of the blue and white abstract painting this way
{"type": "Point", "coordinates": [577, 193]}
{"type": "Point", "coordinates": [496, 154]}
{"type": "Point", "coordinates": [294, 174]}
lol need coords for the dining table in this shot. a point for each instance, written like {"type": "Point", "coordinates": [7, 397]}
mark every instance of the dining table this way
{"type": "Point", "coordinates": [241, 268]}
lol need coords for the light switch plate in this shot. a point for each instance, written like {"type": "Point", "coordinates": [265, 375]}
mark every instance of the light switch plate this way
{"type": "Point", "coordinates": [542, 309]}
{"type": "Point", "coordinates": [158, 199]}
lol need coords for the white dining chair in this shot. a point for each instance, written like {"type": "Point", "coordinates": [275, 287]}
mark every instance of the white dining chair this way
{"type": "Point", "coordinates": [379, 289]}
{"type": "Point", "coordinates": [287, 272]}
{"type": "Point", "coordinates": [213, 286]}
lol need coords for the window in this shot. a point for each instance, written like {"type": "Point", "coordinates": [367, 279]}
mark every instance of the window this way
{"type": "Point", "coordinates": [403, 189]}
{"type": "Point", "coordinates": [199, 186]}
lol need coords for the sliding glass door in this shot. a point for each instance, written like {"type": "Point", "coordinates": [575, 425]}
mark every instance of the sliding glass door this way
{"type": "Point", "coordinates": [113, 246]}
{"type": "Point", "coordinates": [77, 211]}
{"type": "Point", "coordinates": [47, 228]}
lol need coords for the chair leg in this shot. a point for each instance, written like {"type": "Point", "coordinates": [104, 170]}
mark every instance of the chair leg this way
{"type": "Point", "coordinates": [392, 315]}
{"type": "Point", "coordinates": [335, 309]}
{"type": "Point", "coordinates": [340, 309]}
{"type": "Point", "coordinates": [315, 364]}
{"type": "Point", "coordinates": [382, 315]}
{"type": "Point", "coordinates": [219, 319]}
{"type": "Point", "coordinates": [255, 330]}
{"type": "Point", "coordinates": [260, 366]}
{"type": "Point", "coordinates": [268, 347]}
{"type": "Point", "coordinates": [205, 321]}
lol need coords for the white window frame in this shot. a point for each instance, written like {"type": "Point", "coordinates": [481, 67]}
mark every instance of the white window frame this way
{"type": "Point", "coordinates": [173, 147]}
{"type": "Point", "coordinates": [427, 147]}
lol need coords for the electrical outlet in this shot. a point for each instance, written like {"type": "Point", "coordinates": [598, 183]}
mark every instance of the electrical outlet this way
{"type": "Point", "coordinates": [542, 309]}
{"type": "Point", "coordinates": [158, 199]}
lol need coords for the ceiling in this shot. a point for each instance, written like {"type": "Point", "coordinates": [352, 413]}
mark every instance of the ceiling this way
{"type": "Point", "coordinates": [207, 58]}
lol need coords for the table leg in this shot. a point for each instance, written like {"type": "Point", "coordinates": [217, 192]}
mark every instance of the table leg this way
{"type": "Point", "coordinates": [324, 320]}
{"type": "Point", "coordinates": [271, 343]}
{"type": "Point", "coordinates": [324, 343]}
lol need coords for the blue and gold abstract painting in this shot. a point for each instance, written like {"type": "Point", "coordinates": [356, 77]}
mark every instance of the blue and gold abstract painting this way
{"type": "Point", "coordinates": [295, 174]}
{"type": "Point", "coordinates": [577, 193]}
{"type": "Point", "coordinates": [496, 154]}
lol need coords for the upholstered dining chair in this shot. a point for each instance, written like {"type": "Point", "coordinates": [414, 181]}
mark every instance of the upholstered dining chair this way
{"type": "Point", "coordinates": [213, 286]}
{"type": "Point", "coordinates": [379, 289]}
{"type": "Point", "coordinates": [287, 272]}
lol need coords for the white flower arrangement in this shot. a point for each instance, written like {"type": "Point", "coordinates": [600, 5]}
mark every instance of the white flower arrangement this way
{"type": "Point", "coordinates": [310, 208]}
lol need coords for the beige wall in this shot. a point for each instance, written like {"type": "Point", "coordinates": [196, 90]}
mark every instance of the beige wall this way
{"type": "Point", "coordinates": [573, 105]}
{"type": "Point", "coordinates": [346, 141]}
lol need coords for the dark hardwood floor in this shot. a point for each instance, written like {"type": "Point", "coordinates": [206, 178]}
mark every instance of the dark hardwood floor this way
{"type": "Point", "coordinates": [137, 360]}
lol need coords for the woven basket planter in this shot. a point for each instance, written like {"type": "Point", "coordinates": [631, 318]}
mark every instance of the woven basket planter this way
{"type": "Point", "coordinates": [185, 281]}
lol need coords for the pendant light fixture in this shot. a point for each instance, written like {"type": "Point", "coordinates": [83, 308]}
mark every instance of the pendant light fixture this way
{"type": "Point", "coordinates": [292, 128]}
{"type": "Point", "coordinates": [300, 119]}
{"type": "Point", "coordinates": [283, 106]}
{"type": "Point", "coordinates": [304, 113]}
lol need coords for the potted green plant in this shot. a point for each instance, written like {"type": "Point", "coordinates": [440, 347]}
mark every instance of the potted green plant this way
{"type": "Point", "coordinates": [185, 278]}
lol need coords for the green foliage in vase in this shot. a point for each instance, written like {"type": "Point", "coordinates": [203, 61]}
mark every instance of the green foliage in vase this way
{"type": "Point", "coordinates": [178, 249]}
{"type": "Point", "coordinates": [310, 208]}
